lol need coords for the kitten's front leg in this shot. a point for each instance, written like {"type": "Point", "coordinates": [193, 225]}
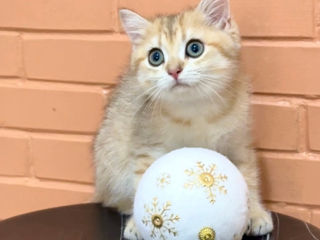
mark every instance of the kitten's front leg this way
{"type": "Point", "coordinates": [260, 221]}
{"type": "Point", "coordinates": [130, 231]}
{"type": "Point", "coordinates": [143, 161]}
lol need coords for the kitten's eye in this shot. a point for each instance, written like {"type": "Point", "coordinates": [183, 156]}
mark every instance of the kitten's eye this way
{"type": "Point", "coordinates": [156, 57]}
{"type": "Point", "coordinates": [194, 48]}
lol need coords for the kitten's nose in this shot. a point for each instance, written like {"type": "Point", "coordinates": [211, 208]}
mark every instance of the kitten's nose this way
{"type": "Point", "coordinates": [175, 73]}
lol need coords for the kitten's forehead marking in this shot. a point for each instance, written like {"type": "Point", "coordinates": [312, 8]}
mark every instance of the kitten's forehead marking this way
{"type": "Point", "coordinates": [171, 28]}
{"type": "Point", "coordinates": [170, 25]}
{"type": "Point", "coordinates": [171, 35]}
{"type": "Point", "coordinates": [181, 24]}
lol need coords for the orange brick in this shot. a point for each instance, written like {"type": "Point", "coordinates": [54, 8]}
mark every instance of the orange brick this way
{"type": "Point", "coordinates": [283, 69]}
{"type": "Point", "coordinates": [298, 212]}
{"type": "Point", "coordinates": [313, 127]}
{"type": "Point", "coordinates": [10, 54]}
{"type": "Point", "coordinates": [315, 219]}
{"type": "Point", "coordinates": [63, 157]}
{"type": "Point", "coordinates": [76, 60]}
{"type": "Point", "coordinates": [14, 153]}
{"type": "Point", "coordinates": [18, 199]}
{"type": "Point", "coordinates": [278, 20]}
{"type": "Point", "coordinates": [275, 127]}
{"type": "Point", "coordinates": [152, 8]}
{"type": "Point", "coordinates": [35, 107]}
{"type": "Point", "coordinates": [67, 14]}
{"type": "Point", "coordinates": [291, 179]}
{"type": "Point", "coordinates": [274, 18]}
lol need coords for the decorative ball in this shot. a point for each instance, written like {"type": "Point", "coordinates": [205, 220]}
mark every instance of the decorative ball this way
{"type": "Point", "coordinates": [190, 194]}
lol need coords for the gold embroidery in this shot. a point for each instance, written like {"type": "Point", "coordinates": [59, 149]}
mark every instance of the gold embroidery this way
{"type": "Point", "coordinates": [207, 178]}
{"type": "Point", "coordinates": [163, 180]}
{"type": "Point", "coordinates": [157, 221]}
{"type": "Point", "coordinates": [207, 234]}
{"type": "Point", "coordinates": [160, 220]}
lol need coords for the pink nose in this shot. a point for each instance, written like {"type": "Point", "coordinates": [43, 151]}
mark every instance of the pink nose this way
{"type": "Point", "coordinates": [175, 73]}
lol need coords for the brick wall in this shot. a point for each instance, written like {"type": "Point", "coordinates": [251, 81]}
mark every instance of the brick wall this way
{"type": "Point", "coordinates": [60, 59]}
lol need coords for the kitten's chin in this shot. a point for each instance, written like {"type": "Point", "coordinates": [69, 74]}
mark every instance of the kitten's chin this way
{"type": "Point", "coordinates": [181, 93]}
{"type": "Point", "coordinates": [180, 87]}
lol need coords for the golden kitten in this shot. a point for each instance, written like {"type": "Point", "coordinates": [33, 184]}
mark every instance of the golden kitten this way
{"type": "Point", "coordinates": [183, 88]}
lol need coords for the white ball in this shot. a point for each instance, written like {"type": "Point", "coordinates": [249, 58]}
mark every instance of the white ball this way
{"type": "Point", "coordinates": [189, 194]}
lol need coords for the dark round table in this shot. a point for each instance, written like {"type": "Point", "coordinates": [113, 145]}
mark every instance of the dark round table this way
{"type": "Point", "coordinates": [93, 222]}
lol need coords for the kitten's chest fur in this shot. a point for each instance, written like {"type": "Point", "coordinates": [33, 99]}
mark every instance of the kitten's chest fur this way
{"type": "Point", "coordinates": [194, 132]}
{"type": "Point", "coordinates": [210, 126]}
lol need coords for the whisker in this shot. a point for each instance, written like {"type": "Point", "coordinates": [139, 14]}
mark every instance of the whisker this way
{"type": "Point", "coordinates": [207, 86]}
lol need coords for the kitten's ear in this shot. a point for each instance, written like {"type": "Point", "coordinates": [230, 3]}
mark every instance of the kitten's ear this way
{"type": "Point", "coordinates": [217, 12]}
{"type": "Point", "coordinates": [133, 24]}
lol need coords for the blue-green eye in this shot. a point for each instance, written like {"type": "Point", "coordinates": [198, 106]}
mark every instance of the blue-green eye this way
{"type": "Point", "coordinates": [194, 48]}
{"type": "Point", "coordinates": [156, 57]}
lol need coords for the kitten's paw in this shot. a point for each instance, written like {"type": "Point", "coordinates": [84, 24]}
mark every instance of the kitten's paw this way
{"type": "Point", "coordinates": [131, 232]}
{"type": "Point", "coordinates": [260, 223]}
